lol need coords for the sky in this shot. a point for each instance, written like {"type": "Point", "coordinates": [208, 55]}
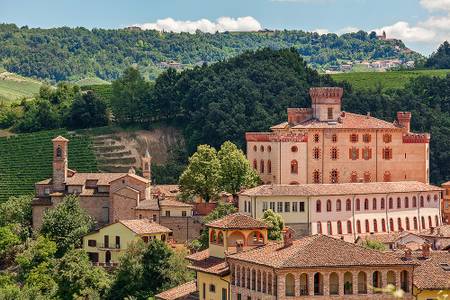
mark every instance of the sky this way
{"type": "Point", "coordinates": [421, 24]}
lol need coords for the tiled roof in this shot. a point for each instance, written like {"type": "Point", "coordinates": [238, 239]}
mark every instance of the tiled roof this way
{"type": "Point", "coordinates": [174, 203]}
{"type": "Point", "coordinates": [60, 138]}
{"type": "Point", "coordinates": [317, 251]}
{"type": "Point", "coordinates": [201, 261]}
{"type": "Point", "coordinates": [169, 190]}
{"type": "Point", "coordinates": [429, 274]}
{"type": "Point", "coordinates": [237, 221]}
{"type": "Point", "coordinates": [446, 183]}
{"type": "Point", "coordinates": [148, 204]}
{"type": "Point", "coordinates": [439, 231]}
{"type": "Point", "coordinates": [340, 189]}
{"type": "Point", "coordinates": [144, 226]}
{"type": "Point", "coordinates": [102, 178]}
{"type": "Point", "coordinates": [177, 292]}
{"type": "Point", "coordinates": [384, 238]}
{"type": "Point", "coordinates": [45, 181]}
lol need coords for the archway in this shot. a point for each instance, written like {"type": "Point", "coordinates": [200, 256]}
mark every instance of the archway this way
{"type": "Point", "coordinates": [318, 284]}
{"type": "Point", "coordinates": [334, 284]}
{"type": "Point", "coordinates": [234, 237]}
{"type": "Point", "coordinates": [290, 285]}
{"type": "Point", "coordinates": [348, 283]}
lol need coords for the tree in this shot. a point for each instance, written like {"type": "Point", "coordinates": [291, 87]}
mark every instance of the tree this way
{"type": "Point", "coordinates": [275, 224]}
{"type": "Point", "coordinates": [38, 251]}
{"type": "Point", "coordinates": [235, 170]}
{"type": "Point", "coordinates": [375, 245]}
{"type": "Point", "coordinates": [8, 242]}
{"type": "Point", "coordinates": [130, 97]}
{"type": "Point", "coordinates": [166, 101]}
{"type": "Point", "coordinates": [17, 211]}
{"type": "Point", "coordinates": [202, 175]}
{"type": "Point", "coordinates": [77, 277]}
{"type": "Point", "coordinates": [441, 58]}
{"type": "Point", "coordinates": [222, 210]}
{"type": "Point", "coordinates": [87, 110]}
{"type": "Point", "coordinates": [66, 224]}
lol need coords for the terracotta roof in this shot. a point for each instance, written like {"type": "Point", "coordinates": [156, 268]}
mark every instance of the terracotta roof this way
{"type": "Point", "coordinates": [169, 190]}
{"type": "Point", "coordinates": [180, 291]}
{"type": "Point", "coordinates": [237, 221]}
{"type": "Point", "coordinates": [102, 178]}
{"type": "Point", "coordinates": [45, 181]}
{"type": "Point", "coordinates": [317, 251]}
{"type": "Point", "coordinates": [144, 226]}
{"type": "Point", "coordinates": [439, 231]}
{"type": "Point", "coordinates": [174, 203]}
{"type": "Point", "coordinates": [60, 138]}
{"type": "Point", "coordinates": [446, 183]}
{"type": "Point", "coordinates": [201, 261]}
{"type": "Point", "coordinates": [148, 204]}
{"type": "Point", "coordinates": [430, 274]}
{"type": "Point", "coordinates": [340, 189]}
{"type": "Point", "coordinates": [384, 238]}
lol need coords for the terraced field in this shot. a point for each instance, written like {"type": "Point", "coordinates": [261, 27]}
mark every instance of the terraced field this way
{"type": "Point", "coordinates": [27, 158]}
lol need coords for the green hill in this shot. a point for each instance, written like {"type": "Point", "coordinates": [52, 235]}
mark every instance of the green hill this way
{"type": "Point", "coordinates": [14, 87]}
{"type": "Point", "coordinates": [27, 158]}
{"type": "Point", "coordinates": [387, 80]}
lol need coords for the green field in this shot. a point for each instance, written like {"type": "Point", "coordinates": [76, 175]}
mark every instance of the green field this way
{"type": "Point", "coordinates": [14, 87]}
{"type": "Point", "coordinates": [27, 158]}
{"type": "Point", "coordinates": [91, 81]}
{"type": "Point", "coordinates": [387, 80]}
{"type": "Point", "coordinates": [104, 91]}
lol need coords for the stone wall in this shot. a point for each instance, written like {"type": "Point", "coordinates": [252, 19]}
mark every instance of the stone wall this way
{"type": "Point", "coordinates": [184, 228]}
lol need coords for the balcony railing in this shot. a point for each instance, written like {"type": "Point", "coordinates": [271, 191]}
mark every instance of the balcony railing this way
{"type": "Point", "coordinates": [109, 246]}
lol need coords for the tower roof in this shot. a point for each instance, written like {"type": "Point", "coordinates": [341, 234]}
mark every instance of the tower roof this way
{"type": "Point", "coordinates": [60, 138]}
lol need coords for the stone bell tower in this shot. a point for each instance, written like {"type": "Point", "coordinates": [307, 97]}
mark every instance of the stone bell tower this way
{"type": "Point", "coordinates": [146, 164]}
{"type": "Point", "coordinates": [60, 163]}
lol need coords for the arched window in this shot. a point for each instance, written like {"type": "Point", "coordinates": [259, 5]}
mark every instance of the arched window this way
{"type": "Point", "coordinates": [349, 227]}
{"type": "Point", "coordinates": [294, 148]}
{"type": "Point", "coordinates": [316, 138]}
{"type": "Point", "coordinates": [382, 203]}
{"type": "Point", "coordinates": [316, 153]}
{"type": "Point", "coordinates": [290, 285]}
{"type": "Point", "coordinates": [404, 281]}
{"type": "Point", "coordinates": [318, 284]}
{"type": "Point", "coordinates": [422, 204]}
{"type": "Point", "coordinates": [213, 237]}
{"type": "Point", "coordinates": [415, 223]}
{"type": "Point", "coordinates": [362, 283]}
{"type": "Point", "coordinates": [339, 227]}
{"type": "Point", "coordinates": [406, 202]}
{"type": "Point", "coordinates": [399, 224]}
{"type": "Point", "coordinates": [391, 203]}
{"type": "Point", "coordinates": [436, 219]}
{"type": "Point", "coordinates": [348, 205]}
{"type": "Point", "coordinates": [318, 206]}
{"type": "Point", "coordinates": [328, 205]}
{"type": "Point", "coordinates": [375, 226]}
{"type": "Point", "coordinates": [435, 197]}
{"type": "Point", "coordinates": [387, 138]}
{"type": "Point", "coordinates": [366, 204]}
{"type": "Point", "coordinates": [428, 198]}
{"type": "Point", "coordinates": [391, 224]}
{"type": "Point", "coordinates": [269, 167]}
{"type": "Point", "coordinates": [261, 148]}
{"type": "Point", "coordinates": [255, 148]}
{"type": "Point", "coordinates": [334, 284]}
{"type": "Point", "coordinates": [376, 279]}
{"type": "Point", "coordinates": [358, 204]}
{"type": "Point", "coordinates": [220, 238]}
{"type": "Point", "coordinates": [430, 223]}
{"type": "Point", "coordinates": [304, 284]}
{"type": "Point", "coordinates": [348, 283]}
{"type": "Point", "coordinates": [367, 176]}
{"type": "Point", "coordinates": [316, 176]}
{"type": "Point", "coordinates": [407, 223]}
{"type": "Point", "coordinates": [329, 228]}
{"type": "Point", "coordinates": [338, 205]}
{"type": "Point", "coordinates": [383, 225]}
{"type": "Point", "coordinates": [334, 153]}
{"type": "Point", "coordinates": [354, 176]}
{"type": "Point", "coordinates": [353, 153]}
{"type": "Point", "coordinates": [399, 202]}
{"type": "Point", "coordinates": [358, 226]}
{"type": "Point", "coordinates": [423, 223]}
{"type": "Point", "coordinates": [255, 164]}
{"type": "Point", "coordinates": [374, 203]}
{"type": "Point", "coordinates": [367, 226]}
{"type": "Point", "coordinates": [387, 176]}
{"type": "Point", "coordinates": [294, 167]}
{"type": "Point", "coordinates": [261, 166]}
{"type": "Point", "coordinates": [414, 201]}
{"type": "Point", "coordinates": [319, 227]}
{"type": "Point", "coordinates": [269, 148]}
{"type": "Point", "coordinates": [334, 138]}
{"type": "Point", "coordinates": [390, 277]}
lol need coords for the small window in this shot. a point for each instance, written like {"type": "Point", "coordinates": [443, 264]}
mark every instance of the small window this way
{"type": "Point", "coordinates": [92, 243]}
{"type": "Point", "coordinates": [354, 176]}
{"type": "Point", "coordinates": [59, 152]}
{"type": "Point", "coordinates": [46, 191]}
{"type": "Point", "coordinates": [316, 153]}
{"type": "Point", "coordinates": [154, 218]}
{"type": "Point", "coordinates": [316, 176]}
{"type": "Point", "coordinates": [294, 206]}
{"type": "Point", "coordinates": [353, 138]}
{"type": "Point", "coordinates": [255, 148]}
{"type": "Point", "coordinates": [328, 205]}
{"type": "Point", "coordinates": [334, 176]}
{"type": "Point", "coordinates": [294, 167]}
{"type": "Point", "coordinates": [318, 206]}
{"type": "Point", "coordinates": [334, 138]}
{"type": "Point", "coordinates": [334, 153]}
{"type": "Point", "coordinates": [367, 176]}
{"type": "Point", "coordinates": [367, 153]}
{"type": "Point", "coordinates": [302, 206]}
{"type": "Point", "coordinates": [367, 138]}
{"type": "Point", "coordinates": [330, 113]}
{"type": "Point", "coordinates": [387, 138]}
{"type": "Point", "coordinates": [261, 148]}
{"type": "Point", "coordinates": [272, 206]}
{"type": "Point", "coordinates": [387, 153]}
{"type": "Point", "coordinates": [287, 207]}
{"type": "Point", "coordinates": [279, 207]}
{"type": "Point", "coordinates": [183, 213]}
{"type": "Point", "coordinates": [387, 176]}
{"type": "Point", "coordinates": [294, 149]}
{"type": "Point", "coordinates": [212, 288]}
{"type": "Point", "coordinates": [316, 138]}
{"type": "Point", "coordinates": [353, 153]}
{"type": "Point", "coordinates": [269, 148]}
{"type": "Point", "coordinates": [167, 213]}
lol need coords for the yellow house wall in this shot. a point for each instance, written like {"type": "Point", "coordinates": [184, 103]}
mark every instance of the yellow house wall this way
{"type": "Point", "coordinates": [219, 282]}
{"type": "Point", "coordinates": [430, 294]}
{"type": "Point", "coordinates": [113, 230]}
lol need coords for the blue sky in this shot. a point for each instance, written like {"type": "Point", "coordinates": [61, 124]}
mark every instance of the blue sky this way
{"type": "Point", "coordinates": [422, 24]}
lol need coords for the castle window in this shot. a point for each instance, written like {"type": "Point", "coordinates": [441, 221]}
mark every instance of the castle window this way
{"type": "Point", "coordinates": [414, 201]}
{"type": "Point", "coordinates": [316, 153]}
{"type": "Point", "coordinates": [383, 225]}
{"type": "Point", "coordinates": [294, 167]}
{"type": "Point", "coordinates": [339, 227]}
{"type": "Point", "coordinates": [255, 148]}
{"type": "Point", "coordinates": [406, 202]}
{"type": "Point", "coordinates": [319, 227]}
{"type": "Point", "coordinates": [255, 164]}
{"type": "Point", "coordinates": [329, 228]}
{"type": "Point", "coordinates": [353, 153]}
{"type": "Point", "coordinates": [318, 206]}
{"type": "Point", "coordinates": [366, 204]}
{"type": "Point", "coordinates": [334, 138]}
{"type": "Point", "coordinates": [374, 203]}
{"type": "Point", "coordinates": [387, 138]}
{"type": "Point", "coordinates": [387, 153]}
{"type": "Point", "coordinates": [316, 138]}
{"type": "Point", "coordinates": [261, 148]}
{"type": "Point", "coordinates": [367, 226]}
{"type": "Point", "coordinates": [294, 149]}
{"type": "Point", "coordinates": [391, 203]}
{"type": "Point", "coordinates": [334, 153]}
{"type": "Point", "coordinates": [328, 205]}
{"type": "Point", "coordinates": [399, 202]}
{"type": "Point", "coordinates": [358, 226]}
{"type": "Point", "coordinates": [269, 148]}
{"type": "Point", "coordinates": [338, 205]}
{"type": "Point", "coordinates": [316, 176]}
{"type": "Point", "coordinates": [269, 167]}
{"type": "Point", "coordinates": [348, 205]}
{"type": "Point", "coordinates": [334, 176]}
{"type": "Point", "coordinates": [330, 113]}
{"type": "Point", "coordinates": [358, 204]}
{"type": "Point", "coordinates": [367, 138]}
{"type": "Point", "coordinates": [349, 226]}
{"type": "Point", "coordinates": [261, 166]}
{"type": "Point", "coordinates": [387, 176]}
{"type": "Point", "coordinates": [367, 176]}
{"type": "Point", "coordinates": [353, 176]}
{"type": "Point", "coordinates": [353, 138]}
{"type": "Point", "coordinates": [382, 203]}
{"type": "Point", "coordinates": [58, 151]}
{"type": "Point", "coordinates": [367, 153]}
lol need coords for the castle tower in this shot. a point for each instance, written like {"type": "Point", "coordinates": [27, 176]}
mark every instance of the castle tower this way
{"type": "Point", "coordinates": [404, 119]}
{"type": "Point", "coordinates": [326, 102]}
{"type": "Point", "coordinates": [146, 164]}
{"type": "Point", "coordinates": [60, 163]}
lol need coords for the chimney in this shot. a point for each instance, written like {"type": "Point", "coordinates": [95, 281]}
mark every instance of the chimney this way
{"type": "Point", "coordinates": [288, 236]}
{"type": "Point", "coordinates": [404, 119]}
{"type": "Point", "coordinates": [426, 250]}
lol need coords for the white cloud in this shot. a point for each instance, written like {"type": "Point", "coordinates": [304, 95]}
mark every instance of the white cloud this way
{"type": "Point", "coordinates": [321, 30]}
{"type": "Point", "coordinates": [347, 29]}
{"type": "Point", "coordinates": [221, 24]}
{"type": "Point", "coordinates": [407, 33]}
{"type": "Point", "coordinates": [436, 4]}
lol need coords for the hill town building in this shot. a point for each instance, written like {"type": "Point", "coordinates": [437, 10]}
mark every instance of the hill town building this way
{"type": "Point", "coordinates": [323, 144]}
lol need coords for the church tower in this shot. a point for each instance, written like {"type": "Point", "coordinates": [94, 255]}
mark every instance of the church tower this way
{"type": "Point", "coordinates": [60, 163]}
{"type": "Point", "coordinates": [146, 164]}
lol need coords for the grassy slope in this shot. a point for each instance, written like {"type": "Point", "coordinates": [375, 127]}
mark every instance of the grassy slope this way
{"type": "Point", "coordinates": [27, 158]}
{"type": "Point", "coordinates": [14, 87]}
{"type": "Point", "coordinates": [91, 81]}
{"type": "Point", "coordinates": [394, 79]}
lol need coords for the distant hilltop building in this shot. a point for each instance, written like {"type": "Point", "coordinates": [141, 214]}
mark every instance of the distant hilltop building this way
{"type": "Point", "coordinates": [323, 144]}
{"type": "Point", "coordinates": [382, 36]}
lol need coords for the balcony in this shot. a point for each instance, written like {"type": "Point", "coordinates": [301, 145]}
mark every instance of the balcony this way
{"type": "Point", "coordinates": [109, 246]}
